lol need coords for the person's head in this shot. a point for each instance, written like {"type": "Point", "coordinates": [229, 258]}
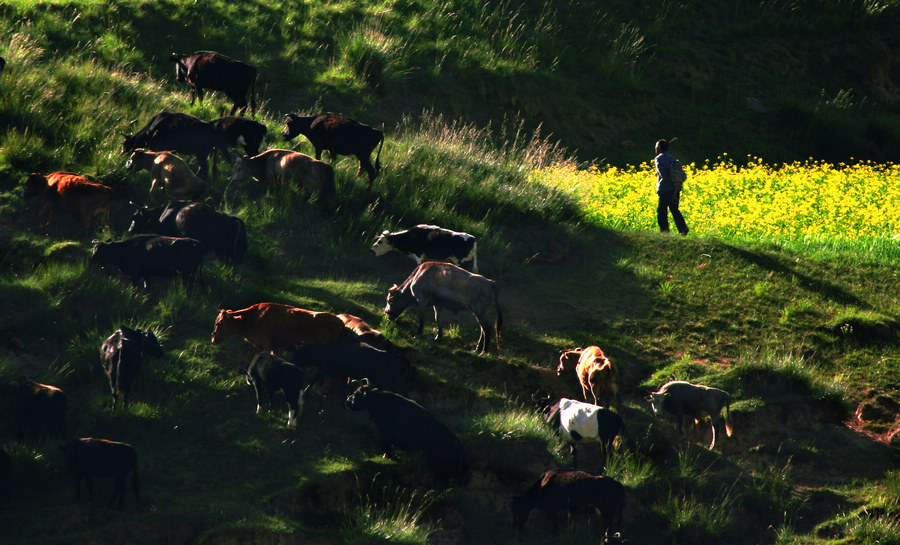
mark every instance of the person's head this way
{"type": "Point", "coordinates": [662, 145]}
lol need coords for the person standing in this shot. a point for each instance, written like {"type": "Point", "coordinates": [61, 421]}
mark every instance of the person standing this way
{"type": "Point", "coordinates": [667, 191]}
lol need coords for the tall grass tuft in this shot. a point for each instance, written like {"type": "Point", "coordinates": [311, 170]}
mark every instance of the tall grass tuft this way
{"type": "Point", "coordinates": [390, 513]}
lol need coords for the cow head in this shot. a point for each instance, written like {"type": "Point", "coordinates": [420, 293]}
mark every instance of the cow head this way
{"type": "Point", "coordinates": [243, 169]}
{"type": "Point", "coordinates": [150, 344]}
{"type": "Point", "coordinates": [397, 302]}
{"type": "Point", "coordinates": [180, 67]}
{"type": "Point", "coordinates": [382, 244]}
{"type": "Point", "coordinates": [357, 400]}
{"type": "Point", "coordinates": [34, 185]}
{"type": "Point", "coordinates": [296, 125]}
{"type": "Point", "coordinates": [224, 328]}
{"type": "Point", "coordinates": [656, 400]}
{"type": "Point", "coordinates": [568, 361]}
{"type": "Point", "coordinates": [143, 219]}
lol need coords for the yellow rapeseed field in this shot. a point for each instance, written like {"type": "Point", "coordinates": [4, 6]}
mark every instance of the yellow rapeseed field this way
{"type": "Point", "coordinates": [802, 199]}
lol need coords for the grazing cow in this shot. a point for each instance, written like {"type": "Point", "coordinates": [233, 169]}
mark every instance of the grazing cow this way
{"type": "Point", "coordinates": [404, 423]}
{"type": "Point", "coordinates": [267, 374]}
{"type": "Point", "coordinates": [679, 398]}
{"type": "Point", "coordinates": [340, 136]}
{"type": "Point", "coordinates": [579, 422]}
{"type": "Point", "coordinates": [169, 173]}
{"type": "Point", "coordinates": [348, 359]}
{"type": "Point", "coordinates": [430, 243]}
{"type": "Point", "coordinates": [594, 370]}
{"type": "Point", "coordinates": [143, 256]}
{"type": "Point", "coordinates": [90, 459]}
{"type": "Point", "coordinates": [366, 333]}
{"type": "Point", "coordinates": [224, 235]}
{"type": "Point", "coordinates": [573, 491]}
{"type": "Point", "coordinates": [443, 285]}
{"type": "Point", "coordinates": [68, 193]}
{"type": "Point", "coordinates": [286, 166]}
{"type": "Point", "coordinates": [40, 411]}
{"type": "Point", "coordinates": [211, 70]}
{"type": "Point", "coordinates": [180, 133]}
{"type": "Point", "coordinates": [274, 326]}
{"type": "Point", "coordinates": [240, 131]}
{"type": "Point", "coordinates": [121, 355]}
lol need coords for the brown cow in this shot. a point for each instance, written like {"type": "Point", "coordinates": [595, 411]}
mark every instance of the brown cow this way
{"type": "Point", "coordinates": [168, 171]}
{"type": "Point", "coordinates": [595, 372]}
{"type": "Point", "coordinates": [443, 285]}
{"type": "Point", "coordinates": [366, 333]}
{"type": "Point", "coordinates": [280, 165]}
{"type": "Point", "coordinates": [69, 193]}
{"type": "Point", "coordinates": [274, 326]}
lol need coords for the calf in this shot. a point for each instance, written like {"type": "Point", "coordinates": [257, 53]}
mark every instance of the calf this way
{"type": "Point", "coordinates": [224, 235]}
{"type": "Point", "coordinates": [340, 136]}
{"type": "Point", "coordinates": [240, 131]}
{"type": "Point", "coordinates": [679, 398]}
{"type": "Point", "coordinates": [406, 424]}
{"type": "Point", "coordinates": [169, 173]}
{"type": "Point", "coordinates": [579, 422]}
{"type": "Point", "coordinates": [366, 333]}
{"type": "Point", "coordinates": [144, 256]}
{"type": "Point", "coordinates": [594, 370]}
{"type": "Point", "coordinates": [443, 285]}
{"type": "Point", "coordinates": [40, 411]}
{"type": "Point", "coordinates": [267, 374]}
{"type": "Point", "coordinates": [274, 326]}
{"type": "Point", "coordinates": [68, 193]}
{"type": "Point", "coordinates": [90, 459]}
{"type": "Point", "coordinates": [573, 491]}
{"type": "Point", "coordinates": [348, 359]}
{"type": "Point", "coordinates": [121, 355]}
{"type": "Point", "coordinates": [430, 243]}
{"type": "Point", "coordinates": [211, 70]}
{"type": "Point", "coordinates": [286, 166]}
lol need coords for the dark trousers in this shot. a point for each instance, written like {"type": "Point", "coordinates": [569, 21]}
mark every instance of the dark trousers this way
{"type": "Point", "coordinates": [668, 202]}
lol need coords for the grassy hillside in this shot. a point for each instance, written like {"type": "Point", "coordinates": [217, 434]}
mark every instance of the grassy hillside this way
{"type": "Point", "coordinates": [805, 338]}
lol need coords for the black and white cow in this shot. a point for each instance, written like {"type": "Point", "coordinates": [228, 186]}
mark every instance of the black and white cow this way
{"type": "Point", "coordinates": [430, 243]}
{"type": "Point", "coordinates": [90, 459]}
{"type": "Point", "coordinates": [579, 422]}
{"type": "Point", "coordinates": [267, 374]}
{"type": "Point", "coordinates": [212, 70]}
{"type": "Point", "coordinates": [404, 423]}
{"type": "Point", "coordinates": [679, 399]}
{"type": "Point", "coordinates": [121, 355]}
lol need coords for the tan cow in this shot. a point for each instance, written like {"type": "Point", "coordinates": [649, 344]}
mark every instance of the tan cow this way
{"type": "Point", "coordinates": [168, 172]}
{"type": "Point", "coordinates": [595, 372]}
{"type": "Point", "coordinates": [286, 166]}
{"type": "Point", "coordinates": [69, 193]}
{"type": "Point", "coordinates": [274, 326]}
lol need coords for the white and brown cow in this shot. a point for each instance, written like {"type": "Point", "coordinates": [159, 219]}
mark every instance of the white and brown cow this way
{"type": "Point", "coordinates": [430, 243]}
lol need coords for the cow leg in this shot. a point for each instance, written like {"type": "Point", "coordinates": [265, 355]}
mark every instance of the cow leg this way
{"type": "Point", "coordinates": [712, 426]}
{"type": "Point", "coordinates": [118, 490]}
{"type": "Point", "coordinates": [437, 319]}
{"type": "Point", "coordinates": [366, 163]}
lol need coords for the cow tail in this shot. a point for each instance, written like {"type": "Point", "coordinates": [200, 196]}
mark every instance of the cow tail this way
{"type": "Point", "coordinates": [378, 155]}
{"type": "Point", "coordinates": [728, 426]}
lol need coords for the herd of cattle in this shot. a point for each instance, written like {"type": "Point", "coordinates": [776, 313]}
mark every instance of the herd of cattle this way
{"type": "Point", "coordinates": [173, 238]}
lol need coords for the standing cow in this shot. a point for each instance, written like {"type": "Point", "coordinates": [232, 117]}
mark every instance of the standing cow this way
{"type": "Point", "coordinates": [90, 459]}
{"type": "Point", "coordinates": [430, 243]}
{"type": "Point", "coordinates": [168, 172]}
{"type": "Point", "coordinates": [143, 256]}
{"type": "Point", "coordinates": [286, 166]}
{"type": "Point", "coordinates": [275, 326]}
{"type": "Point", "coordinates": [211, 70]}
{"type": "Point", "coordinates": [180, 133]}
{"type": "Point", "coordinates": [679, 399]}
{"type": "Point", "coordinates": [339, 135]}
{"type": "Point", "coordinates": [404, 423]}
{"type": "Point", "coordinates": [578, 422]}
{"type": "Point", "coordinates": [40, 411]}
{"type": "Point", "coordinates": [596, 373]}
{"type": "Point", "coordinates": [69, 193]}
{"type": "Point", "coordinates": [121, 355]}
{"type": "Point", "coordinates": [267, 374]}
{"type": "Point", "coordinates": [443, 285]}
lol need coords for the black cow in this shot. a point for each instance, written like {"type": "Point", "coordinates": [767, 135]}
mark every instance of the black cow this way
{"type": "Point", "coordinates": [348, 359]}
{"type": "Point", "coordinates": [430, 243]}
{"type": "Point", "coordinates": [243, 132]}
{"type": "Point", "coordinates": [579, 422]}
{"type": "Point", "coordinates": [224, 235]}
{"type": "Point", "coordinates": [143, 256]}
{"type": "Point", "coordinates": [211, 70]}
{"type": "Point", "coordinates": [406, 424]}
{"type": "Point", "coordinates": [444, 285]}
{"type": "Point", "coordinates": [121, 355]}
{"type": "Point", "coordinates": [90, 459]}
{"type": "Point", "coordinates": [267, 374]}
{"type": "Point", "coordinates": [180, 133]}
{"type": "Point", "coordinates": [40, 411]}
{"type": "Point", "coordinates": [573, 491]}
{"type": "Point", "coordinates": [340, 136]}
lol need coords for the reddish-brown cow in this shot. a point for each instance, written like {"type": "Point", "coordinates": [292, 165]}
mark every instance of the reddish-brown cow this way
{"type": "Point", "coordinates": [595, 372]}
{"type": "Point", "coordinates": [69, 193]}
{"type": "Point", "coordinates": [274, 326]}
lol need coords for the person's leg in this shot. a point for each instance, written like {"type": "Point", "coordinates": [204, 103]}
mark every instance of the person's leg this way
{"type": "Point", "coordinates": [662, 212]}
